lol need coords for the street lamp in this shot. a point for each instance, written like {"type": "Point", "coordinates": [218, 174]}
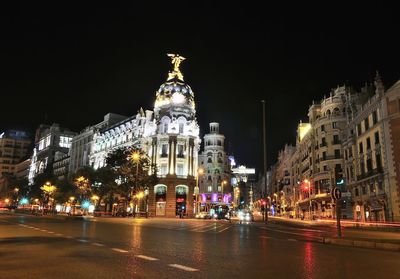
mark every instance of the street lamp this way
{"type": "Point", "coordinates": [135, 156]}
{"type": "Point", "coordinates": [48, 190]}
{"type": "Point", "coordinates": [308, 186]}
{"type": "Point", "coordinates": [223, 182]}
{"type": "Point", "coordinates": [200, 171]}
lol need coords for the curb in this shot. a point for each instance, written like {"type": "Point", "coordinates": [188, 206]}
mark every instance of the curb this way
{"type": "Point", "coordinates": [363, 244]}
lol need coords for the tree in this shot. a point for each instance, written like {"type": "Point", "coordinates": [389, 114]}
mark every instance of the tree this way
{"type": "Point", "coordinates": [133, 170]}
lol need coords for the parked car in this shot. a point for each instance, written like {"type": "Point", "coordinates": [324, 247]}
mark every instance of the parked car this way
{"type": "Point", "coordinates": [203, 215]}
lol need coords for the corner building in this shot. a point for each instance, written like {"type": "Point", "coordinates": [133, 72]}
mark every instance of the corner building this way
{"type": "Point", "coordinates": [170, 136]}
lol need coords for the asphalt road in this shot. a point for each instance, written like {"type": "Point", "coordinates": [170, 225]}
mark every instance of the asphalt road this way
{"type": "Point", "coordinates": [37, 247]}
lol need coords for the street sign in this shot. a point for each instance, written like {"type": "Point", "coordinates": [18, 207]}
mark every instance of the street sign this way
{"type": "Point", "coordinates": [336, 194]}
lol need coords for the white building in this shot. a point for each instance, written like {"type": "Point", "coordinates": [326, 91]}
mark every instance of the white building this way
{"type": "Point", "coordinates": [215, 180]}
{"type": "Point", "coordinates": [169, 135]}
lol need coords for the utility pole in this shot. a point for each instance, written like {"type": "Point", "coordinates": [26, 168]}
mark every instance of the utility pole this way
{"type": "Point", "coordinates": [265, 164]}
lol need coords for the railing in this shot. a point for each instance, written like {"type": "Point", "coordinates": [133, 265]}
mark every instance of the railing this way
{"type": "Point", "coordinates": [370, 173]}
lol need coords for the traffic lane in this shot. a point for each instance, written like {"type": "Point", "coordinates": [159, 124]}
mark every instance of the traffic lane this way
{"type": "Point", "coordinates": [28, 253]}
{"type": "Point", "coordinates": [240, 252]}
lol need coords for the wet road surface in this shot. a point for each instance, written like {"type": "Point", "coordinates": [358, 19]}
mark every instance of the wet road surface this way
{"type": "Point", "coordinates": [36, 247]}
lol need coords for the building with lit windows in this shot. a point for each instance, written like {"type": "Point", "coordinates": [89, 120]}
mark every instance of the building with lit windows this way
{"type": "Point", "coordinates": [169, 135]}
{"type": "Point", "coordinates": [49, 140]}
{"type": "Point", "coordinates": [14, 146]}
{"type": "Point", "coordinates": [81, 143]}
{"type": "Point", "coordinates": [349, 142]}
{"type": "Point", "coordinates": [215, 179]}
{"type": "Point", "coordinates": [370, 163]}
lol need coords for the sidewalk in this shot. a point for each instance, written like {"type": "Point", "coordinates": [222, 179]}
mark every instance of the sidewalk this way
{"type": "Point", "coordinates": [362, 236]}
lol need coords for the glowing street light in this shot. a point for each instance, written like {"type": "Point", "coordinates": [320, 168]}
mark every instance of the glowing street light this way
{"type": "Point", "coordinates": [200, 171]}
{"type": "Point", "coordinates": [307, 186]}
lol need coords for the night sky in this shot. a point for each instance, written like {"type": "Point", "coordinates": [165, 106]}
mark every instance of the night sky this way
{"type": "Point", "coordinates": [72, 64]}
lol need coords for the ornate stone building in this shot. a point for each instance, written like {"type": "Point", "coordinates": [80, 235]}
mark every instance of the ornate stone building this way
{"type": "Point", "coordinates": [215, 180]}
{"type": "Point", "coordinates": [170, 136]}
{"type": "Point", "coordinates": [370, 154]}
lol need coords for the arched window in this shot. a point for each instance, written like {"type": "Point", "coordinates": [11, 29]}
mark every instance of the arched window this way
{"type": "Point", "coordinates": [209, 160]}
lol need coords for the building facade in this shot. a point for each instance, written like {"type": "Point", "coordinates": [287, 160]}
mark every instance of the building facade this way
{"type": "Point", "coordinates": [215, 180]}
{"type": "Point", "coordinates": [14, 148]}
{"type": "Point", "coordinates": [49, 140]}
{"type": "Point", "coordinates": [350, 143]}
{"type": "Point", "coordinates": [81, 144]}
{"type": "Point", "coordinates": [170, 136]}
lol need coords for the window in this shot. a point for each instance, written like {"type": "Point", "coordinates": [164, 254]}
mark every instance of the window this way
{"type": "Point", "coordinates": [219, 142]}
{"type": "Point", "coordinates": [350, 152]}
{"type": "Point", "coordinates": [380, 185]}
{"type": "Point", "coordinates": [180, 128]}
{"type": "Point", "coordinates": [364, 190]}
{"type": "Point", "coordinates": [337, 153]}
{"type": "Point", "coordinates": [179, 169]}
{"type": "Point", "coordinates": [209, 178]}
{"type": "Point", "coordinates": [356, 192]}
{"type": "Point", "coordinates": [360, 145]}
{"type": "Point", "coordinates": [209, 160]}
{"type": "Point", "coordinates": [374, 117]}
{"type": "Point", "coordinates": [369, 165]}
{"type": "Point", "coordinates": [366, 124]}
{"type": "Point", "coordinates": [378, 161]}
{"type": "Point", "coordinates": [322, 128]}
{"type": "Point", "coordinates": [209, 188]}
{"type": "Point", "coordinates": [65, 141]}
{"type": "Point", "coordinates": [336, 139]}
{"type": "Point", "coordinates": [180, 151]}
{"type": "Point", "coordinates": [334, 125]}
{"type": "Point", "coordinates": [376, 137]}
{"type": "Point", "coordinates": [164, 150]}
{"type": "Point", "coordinates": [163, 169]}
{"type": "Point", "coordinates": [368, 143]}
{"type": "Point", "coordinates": [359, 132]}
{"type": "Point", "coordinates": [323, 156]}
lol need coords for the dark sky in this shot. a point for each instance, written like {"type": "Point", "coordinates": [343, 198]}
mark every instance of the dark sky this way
{"type": "Point", "coordinates": [71, 64]}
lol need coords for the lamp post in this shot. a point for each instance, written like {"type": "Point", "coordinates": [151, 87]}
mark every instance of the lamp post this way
{"type": "Point", "coordinates": [200, 171]}
{"type": "Point", "coordinates": [136, 158]}
{"type": "Point", "coordinates": [223, 182]}
{"type": "Point", "coordinates": [48, 190]}
{"type": "Point", "coordinates": [309, 195]}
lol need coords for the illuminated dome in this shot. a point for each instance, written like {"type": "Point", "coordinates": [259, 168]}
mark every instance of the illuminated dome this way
{"type": "Point", "coordinates": [174, 93]}
{"type": "Point", "coordinates": [175, 98]}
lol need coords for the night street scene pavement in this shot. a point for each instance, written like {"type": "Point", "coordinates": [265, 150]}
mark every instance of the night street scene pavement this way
{"type": "Point", "coordinates": [45, 247]}
{"type": "Point", "coordinates": [202, 139]}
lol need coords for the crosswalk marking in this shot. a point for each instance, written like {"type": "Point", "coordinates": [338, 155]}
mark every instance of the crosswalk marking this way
{"type": "Point", "coordinates": [186, 268]}
{"type": "Point", "coordinates": [146, 258]}
{"type": "Point", "coordinates": [119, 250]}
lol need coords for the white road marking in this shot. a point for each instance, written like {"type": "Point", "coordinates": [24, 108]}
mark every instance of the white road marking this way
{"type": "Point", "coordinates": [146, 258]}
{"type": "Point", "coordinates": [186, 268]}
{"type": "Point", "coordinates": [37, 229]}
{"type": "Point", "coordinates": [119, 250]}
{"type": "Point", "coordinates": [291, 239]}
{"type": "Point", "coordinates": [69, 237]}
{"type": "Point", "coordinates": [59, 234]}
{"type": "Point", "coordinates": [266, 237]}
{"type": "Point", "coordinates": [203, 228]}
{"type": "Point", "coordinates": [224, 229]}
{"type": "Point", "coordinates": [50, 232]}
{"type": "Point", "coordinates": [83, 240]}
{"type": "Point", "coordinates": [97, 244]}
{"type": "Point", "coordinates": [43, 230]}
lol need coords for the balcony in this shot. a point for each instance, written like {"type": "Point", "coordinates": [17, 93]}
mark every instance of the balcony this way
{"type": "Point", "coordinates": [336, 142]}
{"type": "Point", "coordinates": [331, 157]}
{"type": "Point", "coordinates": [324, 144]}
{"type": "Point", "coordinates": [370, 173]}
